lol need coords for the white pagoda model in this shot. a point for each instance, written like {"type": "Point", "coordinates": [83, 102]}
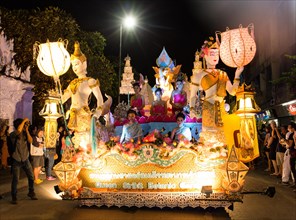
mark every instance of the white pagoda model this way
{"type": "Point", "coordinates": [127, 78]}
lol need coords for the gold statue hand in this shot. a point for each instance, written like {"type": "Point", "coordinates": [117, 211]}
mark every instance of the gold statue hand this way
{"type": "Point", "coordinates": [238, 72]}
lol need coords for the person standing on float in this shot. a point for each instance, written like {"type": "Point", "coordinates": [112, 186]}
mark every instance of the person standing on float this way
{"type": "Point", "coordinates": [138, 100]}
{"type": "Point", "coordinates": [178, 98]}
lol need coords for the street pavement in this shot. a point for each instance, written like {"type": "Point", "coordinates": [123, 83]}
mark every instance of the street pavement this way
{"type": "Point", "coordinates": [50, 206]}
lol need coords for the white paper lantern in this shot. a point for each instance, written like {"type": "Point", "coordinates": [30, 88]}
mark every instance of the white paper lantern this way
{"type": "Point", "coordinates": [237, 46]}
{"type": "Point", "coordinates": [53, 58]}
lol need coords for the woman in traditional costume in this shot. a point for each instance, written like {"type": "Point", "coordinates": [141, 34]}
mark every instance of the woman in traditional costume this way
{"type": "Point", "coordinates": [178, 98]}
{"type": "Point", "coordinates": [181, 132]}
{"type": "Point", "coordinates": [131, 131]}
{"type": "Point", "coordinates": [138, 100]}
{"type": "Point", "coordinates": [159, 106]}
{"type": "Point", "coordinates": [158, 110]}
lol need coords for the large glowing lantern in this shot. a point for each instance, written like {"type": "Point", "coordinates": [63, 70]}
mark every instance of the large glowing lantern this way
{"type": "Point", "coordinates": [245, 102]}
{"type": "Point", "coordinates": [246, 108]}
{"type": "Point", "coordinates": [67, 171]}
{"type": "Point", "coordinates": [234, 172]}
{"type": "Point", "coordinates": [51, 112]}
{"type": "Point", "coordinates": [237, 46]}
{"type": "Point", "coordinates": [53, 59]}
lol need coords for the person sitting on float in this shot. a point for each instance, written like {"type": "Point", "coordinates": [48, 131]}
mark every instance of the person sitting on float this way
{"type": "Point", "coordinates": [132, 130]}
{"type": "Point", "coordinates": [138, 100]}
{"type": "Point", "coordinates": [215, 83]}
{"type": "Point", "coordinates": [102, 133]}
{"type": "Point", "coordinates": [181, 130]}
{"type": "Point", "coordinates": [79, 90]}
{"type": "Point", "coordinates": [178, 98]}
{"type": "Point", "coordinates": [158, 107]}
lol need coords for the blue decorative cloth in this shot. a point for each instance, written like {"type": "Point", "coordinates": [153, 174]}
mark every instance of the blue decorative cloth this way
{"type": "Point", "coordinates": [93, 135]}
{"type": "Point", "coordinates": [131, 131]}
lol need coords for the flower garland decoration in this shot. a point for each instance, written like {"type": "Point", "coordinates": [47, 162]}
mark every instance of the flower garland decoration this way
{"type": "Point", "coordinates": [209, 150]}
{"type": "Point", "coordinates": [207, 44]}
{"type": "Point", "coordinates": [120, 112]}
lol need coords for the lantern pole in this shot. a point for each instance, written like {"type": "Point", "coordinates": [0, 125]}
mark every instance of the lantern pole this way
{"type": "Point", "coordinates": [128, 22]}
{"type": "Point", "coordinates": [59, 90]}
{"type": "Point", "coordinates": [119, 62]}
{"type": "Point", "coordinates": [53, 60]}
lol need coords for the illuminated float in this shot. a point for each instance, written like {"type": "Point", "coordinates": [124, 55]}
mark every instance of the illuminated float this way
{"type": "Point", "coordinates": [157, 171]}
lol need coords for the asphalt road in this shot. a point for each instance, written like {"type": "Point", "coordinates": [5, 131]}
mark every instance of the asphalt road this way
{"type": "Point", "coordinates": [255, 206]}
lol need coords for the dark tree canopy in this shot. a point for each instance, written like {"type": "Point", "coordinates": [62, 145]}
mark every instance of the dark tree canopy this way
{"type": "Point", "coordinates": [28, 26]}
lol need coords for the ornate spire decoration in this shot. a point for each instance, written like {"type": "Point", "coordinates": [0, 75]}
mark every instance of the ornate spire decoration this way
{"type": "Point", "coordinates": [77, 53]}
{"type": "Point", "coordinates": [164, 61]}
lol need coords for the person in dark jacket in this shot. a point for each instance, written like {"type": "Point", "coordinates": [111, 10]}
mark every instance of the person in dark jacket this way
{"type": "Point", "coordinates": [20, 138]}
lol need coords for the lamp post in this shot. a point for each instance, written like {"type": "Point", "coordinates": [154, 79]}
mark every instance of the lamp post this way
{"type": "Point", "coordinates": [119, 67]}
{"type": "Point", "coordinates": [128, 22]}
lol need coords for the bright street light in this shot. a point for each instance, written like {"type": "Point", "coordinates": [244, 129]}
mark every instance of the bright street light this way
{"type": "Point", "coordinates": [129, 22]}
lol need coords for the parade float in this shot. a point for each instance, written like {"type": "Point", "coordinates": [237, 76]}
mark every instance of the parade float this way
{"type": "Point", "coordinates": [157, 171]}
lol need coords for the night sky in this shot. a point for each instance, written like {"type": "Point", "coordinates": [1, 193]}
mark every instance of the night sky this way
{"type": "Point", "coordinates": [180, 27]}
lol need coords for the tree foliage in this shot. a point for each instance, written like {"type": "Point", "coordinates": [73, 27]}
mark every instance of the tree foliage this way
{"type": "Point", "coordinates": [29, 26]}
{"type": "Point", "coordinates": [286, 83]}
{"type": "Point", "coordinates": [288, 77]}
